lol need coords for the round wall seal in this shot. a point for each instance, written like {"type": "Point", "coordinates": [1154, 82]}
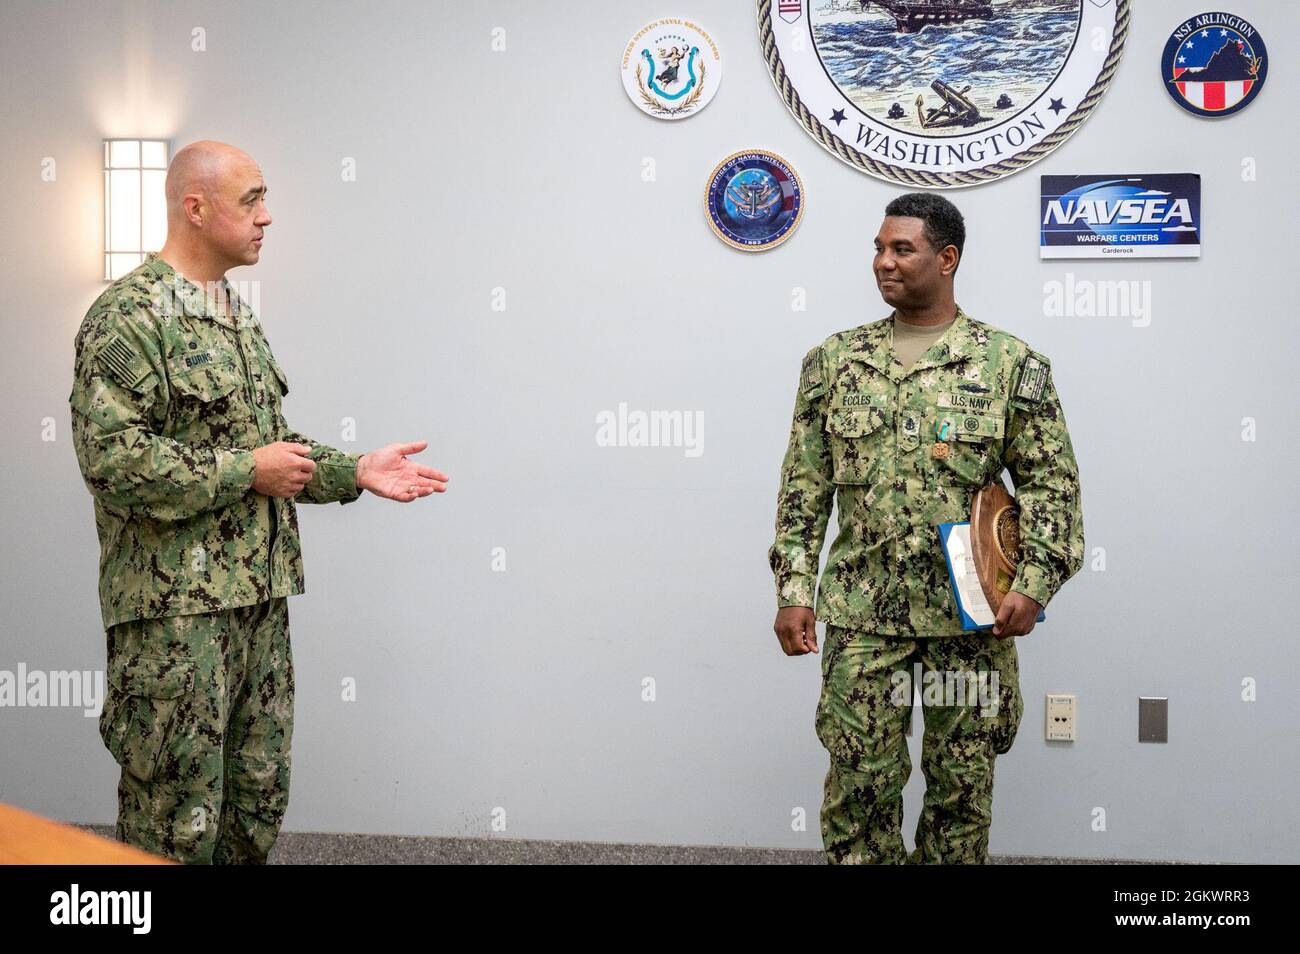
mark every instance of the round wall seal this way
{"type": "Point", "coordinates": [754, 200]}
{"type": "Point", "coordinates": [1214, 64]}
{"type": "Point", "coordinates": [941, 93]}
{"type": "Point", "coordinates": [671, 68]}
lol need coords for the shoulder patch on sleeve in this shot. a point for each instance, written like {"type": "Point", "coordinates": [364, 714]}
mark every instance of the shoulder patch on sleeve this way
{"type": "Point", "coordinates": [810, 378]}
{"type": "Point", "coordinates": [122, 362]}
{"type": "Point", "coordinates": [1034, 369]}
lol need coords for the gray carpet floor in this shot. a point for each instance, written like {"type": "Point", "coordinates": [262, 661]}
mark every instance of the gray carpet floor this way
{"type": "Point", "coordinates": [320, 848]}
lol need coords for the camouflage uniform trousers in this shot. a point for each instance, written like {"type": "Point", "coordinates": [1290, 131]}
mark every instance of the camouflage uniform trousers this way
{"type": "Point", "coordinates": [199, 715]}
{"type": "Point", "coordinates": [862, 720]}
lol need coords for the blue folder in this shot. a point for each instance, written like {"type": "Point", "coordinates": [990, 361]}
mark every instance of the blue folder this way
{"type": "Point", "coordinates": [966, 622]}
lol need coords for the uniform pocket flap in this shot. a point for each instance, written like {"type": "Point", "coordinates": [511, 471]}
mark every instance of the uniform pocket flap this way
{"type": "Point", "coordinates": [158, 677]}
{"type": "Point", "coordinates": [976, 427]}
{"type": "Point", "coordinates": [207, 383]}
{"type": "Point", "coordinates": [855, 422]}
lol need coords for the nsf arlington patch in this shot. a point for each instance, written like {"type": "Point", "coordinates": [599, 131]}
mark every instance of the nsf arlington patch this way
{"type": "Point", "coordinates": [1214, 64]}
{"type": "Point", "coordinates": [671, 68]}
{"type": "Point", "coordinates": [941, 93]}
{"type": "Point", "coordinates": [754, 200]}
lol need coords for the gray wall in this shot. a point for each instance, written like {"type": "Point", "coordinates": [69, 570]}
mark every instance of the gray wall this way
{"type": "Point", "coordinates": [522, 689]}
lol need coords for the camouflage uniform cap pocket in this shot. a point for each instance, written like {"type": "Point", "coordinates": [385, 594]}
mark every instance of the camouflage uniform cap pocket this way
{"type": "Point", "coordinates": [1011, 702]}
{"type": "Point", "coordinates": [160, 677]}
{"type": "Point", "coordinates": [856, 438]}
{"type": "Point", "coordinates": [975, 427]}
{"type": "Point", "coordinates": [972, 448]}
{"type": "Point", "coordinates": [206, 383]}
{"type": "Point", "coordinates": [855, 422]}
{"type": "Point", "coordinates": [138, 720]}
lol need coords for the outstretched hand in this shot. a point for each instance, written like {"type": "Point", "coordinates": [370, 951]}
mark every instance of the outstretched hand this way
{"type": "Point", "coordinates": [387, 472]}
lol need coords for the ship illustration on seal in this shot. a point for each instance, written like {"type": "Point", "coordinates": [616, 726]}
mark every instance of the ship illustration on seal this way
{"type": "Point", "coordinates": [945, 68]}
{"type": "Point", "coordinates": [912, 15]}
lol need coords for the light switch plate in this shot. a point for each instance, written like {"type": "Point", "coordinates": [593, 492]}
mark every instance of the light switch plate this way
{"type": "Point", "coordinates": [1153, 719]}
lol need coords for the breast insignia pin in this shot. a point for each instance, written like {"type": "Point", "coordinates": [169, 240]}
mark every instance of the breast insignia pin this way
{"type": "Point", "coordinates": [940, 448]}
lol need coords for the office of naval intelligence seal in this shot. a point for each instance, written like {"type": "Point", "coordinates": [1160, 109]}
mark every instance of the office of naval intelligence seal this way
{"type": "Point", "coordinates": [754, 200]}
{"type": "Point", "coordinates": [942, 93]}
{"type": "Point", "coordinates": [671, 68]}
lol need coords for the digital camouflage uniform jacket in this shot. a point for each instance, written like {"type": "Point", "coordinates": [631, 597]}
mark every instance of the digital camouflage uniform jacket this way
{"type": "Point", "coordinates": [169, 398]}
{"type": "Point", "coordinates": [863, 431]}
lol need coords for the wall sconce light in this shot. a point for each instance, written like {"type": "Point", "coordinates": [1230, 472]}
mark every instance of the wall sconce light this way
{"type": "Point", "coordinates": [135, 203]}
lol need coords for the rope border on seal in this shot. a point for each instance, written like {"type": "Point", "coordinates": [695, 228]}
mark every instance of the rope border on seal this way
{"type": "Point", "coordinates": [990, 173]}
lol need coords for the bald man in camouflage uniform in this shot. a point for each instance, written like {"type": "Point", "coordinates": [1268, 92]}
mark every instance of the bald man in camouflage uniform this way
{"type": "Point", "coordinates": [179, 434]}
{"type": "Point", "coordinates": [900, 421]}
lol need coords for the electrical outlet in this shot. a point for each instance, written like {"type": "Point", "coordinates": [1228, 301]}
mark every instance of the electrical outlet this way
{"type": "Point", "coordinates": [1060, 717]}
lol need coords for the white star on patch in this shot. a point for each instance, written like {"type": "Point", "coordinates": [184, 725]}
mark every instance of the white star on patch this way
{"type": "Point", "coordinates": [1205, 33]}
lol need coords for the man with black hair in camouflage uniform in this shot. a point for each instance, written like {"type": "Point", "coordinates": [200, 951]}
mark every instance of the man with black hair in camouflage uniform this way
{"type": "Point", "coordinates": [900, 421]}
{"type": "Point", "coordinates": [178, 432]}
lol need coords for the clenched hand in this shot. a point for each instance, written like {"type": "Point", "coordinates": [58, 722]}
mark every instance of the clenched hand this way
{"type": "Point", "coordinates": [282, 469]}
{"type": "Point", "coordinates": [796, 628]}
{"type": "Point", "coordinates": [1016, 616]}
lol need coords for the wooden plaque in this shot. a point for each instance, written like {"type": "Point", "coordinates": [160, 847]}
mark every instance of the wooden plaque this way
{"type": "Point", "coordinates": [995, 539]}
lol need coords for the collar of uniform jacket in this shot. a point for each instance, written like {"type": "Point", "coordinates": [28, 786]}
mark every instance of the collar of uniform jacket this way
{"type": "Point", "coordinates": [195, 301]}
{"type": "Point", "coordinates": [961, 340]}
